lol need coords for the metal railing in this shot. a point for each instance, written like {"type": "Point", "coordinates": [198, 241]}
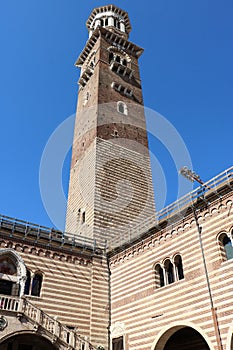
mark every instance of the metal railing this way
{"type": "Point", "coordinates": [36, 232]}
{"type": "Point", "coordinates": [176, 209]}
{"type": "Point", "coordinates": [202, 191]}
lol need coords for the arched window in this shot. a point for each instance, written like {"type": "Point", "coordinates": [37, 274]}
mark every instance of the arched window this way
{"type": "Point", "coordinates": [124, 62]}
{"type": "Point", "coordinates": [8, 280]}
{"type": "Point", "coordinates": [122, 108]}
{"type": "Point", "coordinates": [83, 217]}
{"type": "Point", "coordinates": [106, 22]}
{"type": "Point", "coordinates": [169, 271]}
{"type": "Point", "coordinates": [116, 55]}
{"type": "Point", "coordinates": [118, 343]}
{"type": "Point", "coordinates": [7, 266]}
{"type": "Point", "coordinates": [118, 59]}
{"type": "Point", "coordinates": [12, 273]}
{"type": "Point", "coordinates": [86, 98]}
{"type": "Point", "coordinates": [111, 57]}
{"type": "Point", "coordinates": [179, 267]}
{"type": "Point", "coordinates": [226, 247]}
{"type": "Point", "coordinates": [102, 22]}
{"type": "Point", "coordinates": [159, 276]}
{"type": "Point", "coordinates": [27, 283]}
{"type": "Point", "coordinates": [36, 284]}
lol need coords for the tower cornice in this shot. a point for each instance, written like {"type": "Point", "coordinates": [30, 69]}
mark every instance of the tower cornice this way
{"type": "Point", "coordinates": [116, 40]}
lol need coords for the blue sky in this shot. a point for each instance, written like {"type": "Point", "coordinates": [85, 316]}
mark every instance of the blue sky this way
{"type": "Point", "coordinates": [186, 72]}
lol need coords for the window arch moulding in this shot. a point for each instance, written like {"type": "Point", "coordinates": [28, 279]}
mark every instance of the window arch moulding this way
{"type": "Point", "coordinates": [13, 273]}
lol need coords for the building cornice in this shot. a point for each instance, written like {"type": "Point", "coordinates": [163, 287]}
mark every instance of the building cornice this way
{"type": "Point", "coordinates": [40, 250]}
{"type": "Point", "coordinates": [114, 39]}
{"type": "Point", "coordinates": [47, 238]}
{"type": "Point", "coordinates": [159, 234]}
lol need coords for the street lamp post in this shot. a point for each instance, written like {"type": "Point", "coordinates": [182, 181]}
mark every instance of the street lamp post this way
{"type": "Point", "coordinates": [192, 176]}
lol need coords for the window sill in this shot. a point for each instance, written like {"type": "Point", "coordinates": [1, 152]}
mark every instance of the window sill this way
{"type": "Point", "coordinates": [226, 262]}
{"type": "Point", "coordinates": [170, 285]}
{"type": "Point", "coordinates": [32, 297]}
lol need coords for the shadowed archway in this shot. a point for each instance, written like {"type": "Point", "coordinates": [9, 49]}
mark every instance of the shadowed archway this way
{"type": "Point", "coordinates": [27, 342]}
{"type": "Point", "coordinates": [186, 339]}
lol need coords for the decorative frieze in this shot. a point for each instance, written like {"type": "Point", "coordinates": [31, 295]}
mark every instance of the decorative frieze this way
{"type": "Point", "coordinates": [157, 238]}
{"type": "Point", "coordinates": [36, 251]}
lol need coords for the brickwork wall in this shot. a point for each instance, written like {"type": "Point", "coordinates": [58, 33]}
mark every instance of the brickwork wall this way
{"type": "Point", "coordinates": [98, 169]}
{"type": "Point", "coordinates": [82, 194]}
{"type": "Point", "coordinates": [145, 312]}
{"type": "Point", "coordinates": [100, 303]}
{"type": "Point", "coordinates": [123, 193]}
{"type": "Point", "coordinates": [74, 287]}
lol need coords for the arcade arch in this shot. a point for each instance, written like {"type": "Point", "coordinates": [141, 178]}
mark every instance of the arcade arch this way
{"type": "Point", "coordinates": [181, 337]}
{"type": "Point", "coordinates": [27, 341]}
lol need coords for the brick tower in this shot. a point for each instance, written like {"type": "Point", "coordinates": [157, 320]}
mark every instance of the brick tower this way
{"type": "Point", "coordinates": [110, 189]}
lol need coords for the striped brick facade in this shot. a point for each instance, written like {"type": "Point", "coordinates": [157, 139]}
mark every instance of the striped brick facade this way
{"type": "Point", "coordinates": [150, 314]}
{"type": "Point", "coordinates": [123, 277]}
{"type": "Point", "coordinates": [75, 282]}
{"type": "Point", "coordinates": [106, 297]}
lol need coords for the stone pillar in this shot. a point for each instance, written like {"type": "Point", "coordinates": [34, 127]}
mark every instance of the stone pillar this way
{"type": "Point", "coordinates": [22, 282]}
{"type": "Point", "coordinates": [72, 339]}
{"type": "Point", "coordinates": [56, 329]}
{"type": "Point", "coordinates": [164, 276]}
{"type": "Point", "coordinates": [97, 23]}
{"type": "Point", "coordinates": [122, 26]}
{"type": "Point", "coordinates": [111, 21]}
{"type": "Point", "coordinates": [86, 345]}
{"type": "Point", "coordinates": [38, 316]}
{"type": "Point", "coordinates": [21, 305]}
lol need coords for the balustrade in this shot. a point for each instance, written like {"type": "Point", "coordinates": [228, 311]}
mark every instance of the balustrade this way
{"type": "Point", "coordinates": [49, 324]}
{"type": "Point", "coordinates": [9, 303]}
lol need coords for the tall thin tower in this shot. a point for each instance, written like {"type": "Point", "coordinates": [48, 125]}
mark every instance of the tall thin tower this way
{"type": "Point", "coordinates": [110, 189]}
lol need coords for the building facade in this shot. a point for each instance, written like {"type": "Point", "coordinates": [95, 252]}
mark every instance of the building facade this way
{"type": "Point", "coordinates": [172, 289]}
{"type": "Point", "coordinates": [124, 277]}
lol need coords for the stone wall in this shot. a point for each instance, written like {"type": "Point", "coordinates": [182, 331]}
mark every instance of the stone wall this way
{"type": "Point", "coordinates": [74, 288]}
{"type": "Point", "coordinates": [147, 311]}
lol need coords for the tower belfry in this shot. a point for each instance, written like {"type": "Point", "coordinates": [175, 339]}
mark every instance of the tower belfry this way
{"type": "Point", "coordinates": [110, 17]}
{"type": "Point", "coordinates": [110, 190]}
